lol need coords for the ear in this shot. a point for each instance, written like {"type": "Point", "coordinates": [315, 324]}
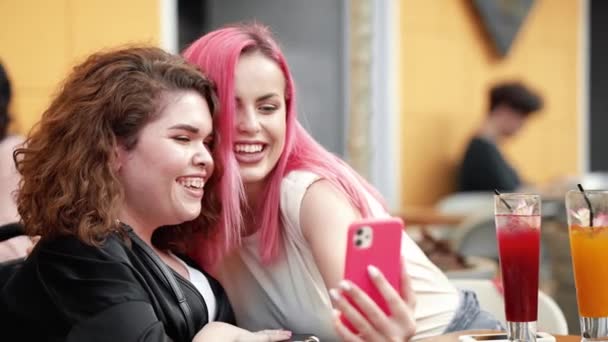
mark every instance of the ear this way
{"type": "Point", "coordinates": [119, 157]}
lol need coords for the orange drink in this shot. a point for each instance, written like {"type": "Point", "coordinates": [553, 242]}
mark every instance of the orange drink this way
{"type": "Point", "coordinates": [589, 247]}
{"type": "Point", "coordinates": [588, 221]}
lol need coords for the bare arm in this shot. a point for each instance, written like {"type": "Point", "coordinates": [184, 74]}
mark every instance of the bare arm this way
{"type": "Point", "coordinates": [325, 216]}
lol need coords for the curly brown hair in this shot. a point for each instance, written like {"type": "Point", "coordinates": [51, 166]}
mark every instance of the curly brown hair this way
{"type": "Point", "coordinates": [69, 185]}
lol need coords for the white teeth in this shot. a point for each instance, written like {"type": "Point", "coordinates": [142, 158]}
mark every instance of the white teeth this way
{"type": "Point", "coordinates": [248, 148]}
{"type": "Point", "coordinates": [192, 182]}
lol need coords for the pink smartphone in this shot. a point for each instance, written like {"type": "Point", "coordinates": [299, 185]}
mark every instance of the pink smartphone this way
{"type": "Point", "coordinates": [374, 242]}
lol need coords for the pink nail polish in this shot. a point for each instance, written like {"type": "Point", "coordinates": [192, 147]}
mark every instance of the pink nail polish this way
{"type": "Point", "coordinates": [373, 271]}
{"type": "Point", "coordinates": [334, 294]}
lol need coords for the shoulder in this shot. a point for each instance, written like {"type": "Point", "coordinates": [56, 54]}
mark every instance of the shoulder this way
{"type": "Point", "coordinates": [294, 186]}
{"type": "Point", "coordinates": [479, 150]}
{"type": "Point", "coordinates": [298, 179]}
{"type": "Point", "coordinates": [324, 205]}
{"type": "Point", "coordinates": [321, 197]}
{"type": "Point", "coordinates": [66, 263]}
{"type": "Point", "coordinates": [112, 249]}
{"type": "Point", "coordinates": [59, 266]}
{"type": "Point", "coordinates": [478, 143]}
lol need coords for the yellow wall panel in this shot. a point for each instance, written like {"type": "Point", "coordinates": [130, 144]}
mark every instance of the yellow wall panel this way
{"type": "Point", "coordinates": [41, 40]}
{"type": "Point", "coordinates": [33, 41]}
{"type": "Point", "coordinates": [99, 24]}
{"type": "Point", "coordinates": [448, 64]}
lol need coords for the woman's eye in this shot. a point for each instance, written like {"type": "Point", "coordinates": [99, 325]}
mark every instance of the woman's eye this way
{"type": "Point", "coordinates": [268, 108]}
{"type": "Point", "coordinates": [208, 143]}
{"type": "Point", "coordinates": [182, 138]}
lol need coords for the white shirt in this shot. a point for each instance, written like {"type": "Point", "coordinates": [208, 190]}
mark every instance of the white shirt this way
{"type": "Point", "coordinates": [201, 283]}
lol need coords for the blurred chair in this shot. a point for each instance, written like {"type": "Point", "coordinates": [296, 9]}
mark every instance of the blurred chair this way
{"type": "Point", "coordinates": [550, 317]}
{"type": "Point", "coordinates": [467, 203]}
{"type": "Point", "coordinates": [476, 236]}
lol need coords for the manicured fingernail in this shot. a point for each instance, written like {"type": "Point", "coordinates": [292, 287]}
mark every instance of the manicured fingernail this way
{"type": "Point", "coordinates": [336, 313]}
{"type": "Point", "coordinates": [285, 333]}
{"type": "Point", "coordinates": [345, 285]}
{"type": "Point", "coordinates": [335, 295]}
{"type": "Point", "coordinates": [373, 271]}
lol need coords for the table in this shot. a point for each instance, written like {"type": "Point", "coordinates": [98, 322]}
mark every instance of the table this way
{"type": "Point", "coordinates": [453, 337]}
{"type": "Point", "coordinates": [423, 216]}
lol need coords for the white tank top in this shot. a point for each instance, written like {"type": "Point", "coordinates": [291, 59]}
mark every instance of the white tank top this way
{"type": "Point", "coordinates": [291, 294]}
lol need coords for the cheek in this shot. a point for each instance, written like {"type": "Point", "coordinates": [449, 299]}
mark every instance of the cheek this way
{"type": "Point", "coordinates": [211, 167]}
{"type": "Point", "coordinates": [281, 129]}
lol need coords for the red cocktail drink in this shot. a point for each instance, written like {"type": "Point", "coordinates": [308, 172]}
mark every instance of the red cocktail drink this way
{"type": "Point", "coordinates": [518, 236]}
{"type": "Point", "coordinates": [519, 246]}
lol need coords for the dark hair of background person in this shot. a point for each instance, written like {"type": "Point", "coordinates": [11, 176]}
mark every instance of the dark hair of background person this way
{"type": "Point", "coordinates": [5, 100]}
{"type": "Point", "coordinates": [69, 183]}
{"type": "Point", "coordinates": [516, 96]}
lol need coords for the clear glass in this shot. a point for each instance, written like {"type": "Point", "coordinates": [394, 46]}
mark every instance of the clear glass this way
{"type": "Point", "coordinates": [518, 235]}
{"type": "Point", "coordinates": [588, 229]}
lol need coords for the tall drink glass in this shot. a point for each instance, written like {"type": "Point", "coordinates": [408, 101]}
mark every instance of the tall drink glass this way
{"type": "Point", "coordinates": [588, 227]}
{"type": "Point", "coordinates": [518, 234]}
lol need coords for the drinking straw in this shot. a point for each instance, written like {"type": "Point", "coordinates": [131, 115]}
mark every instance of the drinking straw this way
{"type": "Point", "coordinates": [580, 187]}
{"type": "Point", "coordinates": [503, 200]}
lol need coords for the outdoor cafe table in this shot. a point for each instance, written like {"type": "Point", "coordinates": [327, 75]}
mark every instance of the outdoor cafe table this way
{"type": "Point", "coordinates": [453, 337]}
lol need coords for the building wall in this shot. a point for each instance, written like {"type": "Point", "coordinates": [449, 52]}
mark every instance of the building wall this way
{"type": "Point", "coordinates": [41, 40]}
{"type": "Point", "coordinates": [448, 63]}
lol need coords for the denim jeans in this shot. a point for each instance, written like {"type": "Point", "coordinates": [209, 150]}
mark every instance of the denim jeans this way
{"type": "Point", "coordinates": [469, 315]}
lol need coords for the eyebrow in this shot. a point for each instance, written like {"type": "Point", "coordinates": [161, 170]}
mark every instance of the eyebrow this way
{"type": "Point", "coordinates": [185, 127]}
{"type": "Point", "coordinates": [267, 96]}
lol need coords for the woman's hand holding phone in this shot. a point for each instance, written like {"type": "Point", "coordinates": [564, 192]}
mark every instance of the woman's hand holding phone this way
{"type": "Point", "coordinates": [370, 321]}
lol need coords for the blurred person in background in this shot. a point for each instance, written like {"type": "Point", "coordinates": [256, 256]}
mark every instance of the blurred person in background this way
{"type": "Point", "coordinates": [123, 152]}
{"type": "Point", "coordinates": [483, 167]}
{"type": "Point", "coordinates": [282, 265]}
{"type": "Point", "coordinates": [13, 243]}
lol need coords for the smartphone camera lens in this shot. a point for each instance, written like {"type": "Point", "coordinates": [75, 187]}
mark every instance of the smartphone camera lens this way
{"type": "Point", "coordinates": [359, 232]}
{"type": "Point", "coordinates": [358, 242]}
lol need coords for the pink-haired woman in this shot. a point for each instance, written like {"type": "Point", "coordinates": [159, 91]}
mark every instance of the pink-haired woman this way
{"type": "Point", "coordinates": [290, 202]}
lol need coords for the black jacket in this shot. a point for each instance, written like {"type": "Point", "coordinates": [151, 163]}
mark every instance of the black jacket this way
{"type": "Point", "coordinates": [69, 291]}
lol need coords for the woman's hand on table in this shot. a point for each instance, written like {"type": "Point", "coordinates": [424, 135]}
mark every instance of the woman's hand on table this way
{"type": "Point", "coordinates": [219, 331]}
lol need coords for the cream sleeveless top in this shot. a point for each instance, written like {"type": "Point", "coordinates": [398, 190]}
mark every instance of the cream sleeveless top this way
{"type": "Point", "coordinates": [291, 294]}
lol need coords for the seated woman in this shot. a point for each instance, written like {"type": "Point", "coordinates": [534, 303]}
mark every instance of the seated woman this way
{"type": "Point", "coordinates": [297, 200]}
{"type": "Point", "coordinates": [122, 150]}
{"type": "Point", "coordinates": [13, 244]}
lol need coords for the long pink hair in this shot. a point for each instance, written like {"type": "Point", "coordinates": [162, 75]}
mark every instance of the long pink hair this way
{"type": "Point", "coordinates": [217, 54]}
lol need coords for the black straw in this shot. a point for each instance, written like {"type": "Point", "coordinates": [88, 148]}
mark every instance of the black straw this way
{"type": "Point", "coordinates": [580, 187]}
{"type": "Point", "coordinates": [502, 199]}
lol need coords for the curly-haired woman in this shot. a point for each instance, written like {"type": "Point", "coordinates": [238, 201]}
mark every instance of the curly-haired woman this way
{"type": "Point", "coordinates": [124, 148]}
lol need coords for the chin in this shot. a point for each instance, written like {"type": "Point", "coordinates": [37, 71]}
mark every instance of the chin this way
{"type": "Point", "coordinates": [253, 177]}
{"type": "Point", "coordinates": [189, 215]}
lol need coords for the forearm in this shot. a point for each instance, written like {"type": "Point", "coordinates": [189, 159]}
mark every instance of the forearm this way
{"type": "Point", "coordinates": [219, 331]}
{"type": "Point", "coordinates": [8, 250]}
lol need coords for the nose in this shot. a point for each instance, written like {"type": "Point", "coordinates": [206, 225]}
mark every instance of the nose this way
{"type": "Point", "coordinates": [203, 159]}
{"type": "Point", "coordinates": [247, 121]}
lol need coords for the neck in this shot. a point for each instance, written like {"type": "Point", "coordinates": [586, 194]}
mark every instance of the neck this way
{"type": "Point", "coordinates": [144, 231]}
{"type": "Point", "coordinates": [253, 194]}
{"type": "Point", "coordinates": [489, 131]}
